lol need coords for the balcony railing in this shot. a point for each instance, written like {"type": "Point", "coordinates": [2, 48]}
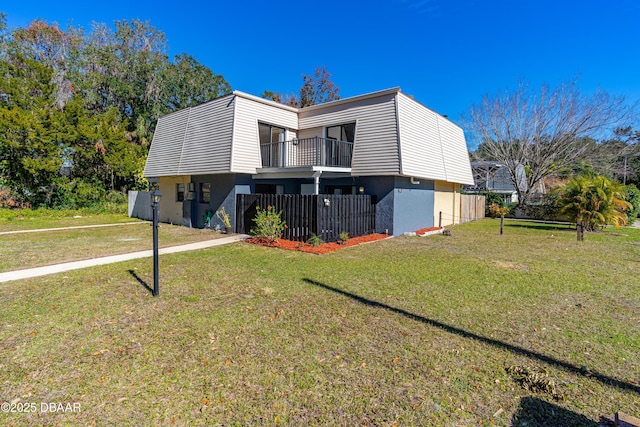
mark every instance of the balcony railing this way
{"type": "Point", "coordinates": [307, 152]}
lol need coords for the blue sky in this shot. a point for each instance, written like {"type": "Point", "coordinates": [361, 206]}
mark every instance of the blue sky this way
{"type": "Point", "coordinates": [447, 54]}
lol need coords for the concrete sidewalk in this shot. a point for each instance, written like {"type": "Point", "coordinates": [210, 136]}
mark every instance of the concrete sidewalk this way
{"type": "Point", "coordinates": [67, 266]}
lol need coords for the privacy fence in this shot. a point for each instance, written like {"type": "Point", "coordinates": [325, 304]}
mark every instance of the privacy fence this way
{"type": "Point", "coordinates": [472, 207]}
{"type": "Point", "coordinates": [325, 215]}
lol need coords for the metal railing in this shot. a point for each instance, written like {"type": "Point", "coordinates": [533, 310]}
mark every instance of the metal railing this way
{"type": "Point", "coordinates": [307, 152]}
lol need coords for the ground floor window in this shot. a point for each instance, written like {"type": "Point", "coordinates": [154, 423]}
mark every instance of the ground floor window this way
{"type": "Point", "coordinates": [205, 192]}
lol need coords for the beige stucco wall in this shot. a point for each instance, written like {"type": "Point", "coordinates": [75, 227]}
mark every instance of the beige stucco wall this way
{"type": "Point", "coordinates": [446, 199]}
{"type": "Point", "coordinates": [170, 210]}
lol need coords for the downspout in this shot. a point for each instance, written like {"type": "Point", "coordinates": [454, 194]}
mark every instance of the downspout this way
{"type": "Point", "coordinates": [316, 182]}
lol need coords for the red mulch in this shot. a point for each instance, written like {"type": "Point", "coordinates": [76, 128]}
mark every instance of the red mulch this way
{"type": "Point", "coordinates": [320, 249]}
{"type": "Point", "coordinates": [425, 230]}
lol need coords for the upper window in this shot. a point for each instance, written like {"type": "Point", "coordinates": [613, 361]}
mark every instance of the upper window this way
{"type": "Point", "coordinates": [180, 192]}
{"type": "Point", "coordinates": [269, 133]}
{"type": "Point", "coordinates": [271, 145]}
{"type": "Point", "coordinates": [205, 192]}
{"type": "Point", "coordinates": [346, 132]}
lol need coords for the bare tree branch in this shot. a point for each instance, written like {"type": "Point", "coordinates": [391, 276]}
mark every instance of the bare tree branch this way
{"type": "Point", "coordinates": [542, 130]}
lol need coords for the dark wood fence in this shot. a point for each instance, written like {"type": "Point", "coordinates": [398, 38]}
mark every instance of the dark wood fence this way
{"type": "Point", "coordinates": [326, 215]}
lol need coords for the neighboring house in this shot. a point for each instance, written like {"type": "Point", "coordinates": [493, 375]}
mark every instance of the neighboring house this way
{"type": "Point", "coordinates": [492, 176]}
{"type": "Point", "coordinates": [384, 144]}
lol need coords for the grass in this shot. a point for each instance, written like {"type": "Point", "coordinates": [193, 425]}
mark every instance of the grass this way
{"type": "Point", "coordinates": [32, 219]}
{"type": "Point", "coordinates": [24, 250]}
{"type": "Point", "coordinates": [405, 331]}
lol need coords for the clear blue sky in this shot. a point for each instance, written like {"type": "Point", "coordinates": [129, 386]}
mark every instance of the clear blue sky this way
{"type": "Point", "coordinates": [448, 54]}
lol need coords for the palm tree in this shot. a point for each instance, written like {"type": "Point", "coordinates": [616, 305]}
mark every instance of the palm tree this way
{"type": "Point", "coordinates": [594, 202]}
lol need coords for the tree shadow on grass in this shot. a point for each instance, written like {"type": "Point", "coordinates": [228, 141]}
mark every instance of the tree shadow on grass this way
{"type": "Point", "coordinates": [142, 282]}
{"type": "Point", "coordinates": [539, 413]}
{"type": "Point", "coordinates": [579, 370]}
{"type": "Point", "coordinates": [546, 227]}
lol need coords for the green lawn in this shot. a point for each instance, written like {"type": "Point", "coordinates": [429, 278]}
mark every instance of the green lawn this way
{"type": "Point", "coordinates": [406, 331]}
{"type": "Point", "coordinates": [24, 250]}
{"type": "Point", "coordinates": [11, 220]}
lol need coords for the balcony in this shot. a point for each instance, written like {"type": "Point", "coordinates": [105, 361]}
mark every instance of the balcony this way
{"type": "Point", "coordinates": [307, 152]}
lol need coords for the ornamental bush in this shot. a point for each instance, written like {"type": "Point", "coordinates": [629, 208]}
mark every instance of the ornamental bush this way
{"type": "Point", "coordinates": [269, 225]}
{"type": "Point", "coordinates": [495, 211]}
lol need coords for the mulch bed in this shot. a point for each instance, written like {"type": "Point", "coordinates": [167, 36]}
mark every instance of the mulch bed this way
{"type": "Point", "coordinates": [320, 249]}
{"type": "Point", "coordinates": [326, 247]}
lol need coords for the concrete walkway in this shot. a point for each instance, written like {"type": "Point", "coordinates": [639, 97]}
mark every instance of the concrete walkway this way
{"type": "Point", "coordinates": [67, 266]}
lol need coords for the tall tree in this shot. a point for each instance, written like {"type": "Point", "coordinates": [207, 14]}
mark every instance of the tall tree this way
{"type": "Point", "coordinates": [52, 47]}
{"type": "Point", "coordinates": [317, 88]}
{"type": "Point", "coordinates": [542, 130]}
{"type": "Point", "coordinates": [186, 82]}
{"type": "Point", "coordinates": [30, 156]}
{"type": "Point", "coordinates": [121, 69]}
{"type": "Point", "coordinates": [77, 111]}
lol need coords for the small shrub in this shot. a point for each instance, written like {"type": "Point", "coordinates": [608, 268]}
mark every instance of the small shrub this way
{"type": "Point", "coordinates": [496, 211]}
{"type": "Point", "coordinates": [344, 236]}
{"type": "Point", "coordinates": [314, 240]}
{"type": "Point", "coordinates": [269, 225]}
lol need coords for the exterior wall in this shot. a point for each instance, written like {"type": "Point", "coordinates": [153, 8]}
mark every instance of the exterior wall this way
{"type": "Point", "coordinates": [431, 146]}
{"type": "Point", "coordinates": [207, 142]}
{"type": "Point", "coordinates": [382, 188]}
{"type": "Point", "coordinates": [246, 140]}
{"type": "Point", "coordinates": [420, 142]}
{"type": "Point", "coordinates": [165, 150]}
{"type": "Point", "coordinates": [412, 205]}
{"type": "Point", "coordinates": [224, 188]}
{"type": "Point", "coordinates": [310, 133]}
{"type": "Point", "coordinates": [375, 150]}
{"type": "Point", "coordinates": [170, 209]}
{"type": "Point", "coordinates": [447, 201]}
{"type": "Point", "coordinates": [454, 152]}
{"type": "Point", "coordinates": [196, 140]}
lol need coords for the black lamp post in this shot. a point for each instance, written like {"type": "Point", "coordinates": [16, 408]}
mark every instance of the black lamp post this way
{"type": "Point", "coordinates": [155, 199]}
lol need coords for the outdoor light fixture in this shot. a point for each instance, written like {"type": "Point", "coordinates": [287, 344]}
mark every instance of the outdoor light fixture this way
{"type": "Point", "coordinates": [361, 190]}
{"type": "Point", "coordinates": [155, 199]}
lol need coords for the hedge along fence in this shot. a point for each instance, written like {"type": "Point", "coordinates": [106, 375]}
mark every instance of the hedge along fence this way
{"type": "Point", "coordinates": [325, 215]}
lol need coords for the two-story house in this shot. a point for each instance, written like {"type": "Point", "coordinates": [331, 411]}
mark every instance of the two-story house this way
{"type": "Point", "coordinates": [413, 160]}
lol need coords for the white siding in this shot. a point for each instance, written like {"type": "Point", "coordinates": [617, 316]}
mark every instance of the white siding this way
{"type": "Point", "coordinates": [164, 153]}
{"type": "Point", "coordinates": [455, 153]}
{"type": "Point", "coordinates": [420, 143]}
{"type": "Point", "coordinates": [207, 144]}
{"type": "Point", "coordinates": [310, 133]}
{"type": "Point", "coordinates": [431, 146]}
{"type": "Point", "coordinates": [246, 142]}
{"type": "Point", "coordinates": [375, 150]}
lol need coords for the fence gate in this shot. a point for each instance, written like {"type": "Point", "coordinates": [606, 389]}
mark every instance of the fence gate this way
{"type": "Point", "coordinates": [326, 215]}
